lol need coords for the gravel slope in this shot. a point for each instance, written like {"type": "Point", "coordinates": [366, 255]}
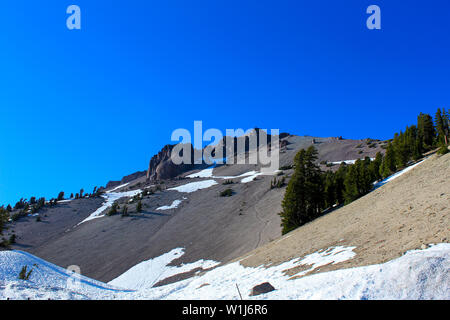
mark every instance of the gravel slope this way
{"type": "Point", "coordinates": [208, 226]}
{"type": "Point", "coordinates": [407, 213]}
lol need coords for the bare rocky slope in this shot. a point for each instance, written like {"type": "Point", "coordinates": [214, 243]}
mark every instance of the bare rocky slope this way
{"type": "Point", "coordinates": [407, 213]}
{"type": "Point", "coordinates": [206, 225]}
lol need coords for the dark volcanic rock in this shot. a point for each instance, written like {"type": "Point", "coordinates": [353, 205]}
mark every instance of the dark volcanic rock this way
{"type": "Point", "coordinates": [262, 288]}
{"type": "Point", "coordinates": [161, 166]}
{"type": "Point", "coordinates": [128, 178]}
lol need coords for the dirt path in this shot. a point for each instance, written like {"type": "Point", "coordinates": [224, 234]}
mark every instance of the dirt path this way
{"type": "Point", "coordinates": [407, 213]}
{"type": "Point", "coordinates": [257, 214]}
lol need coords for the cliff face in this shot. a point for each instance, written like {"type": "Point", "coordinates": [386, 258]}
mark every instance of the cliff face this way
{"type": "Point", "coordinates": [161, 166]}
{"type": "Point", "coordinates": [128, 178]}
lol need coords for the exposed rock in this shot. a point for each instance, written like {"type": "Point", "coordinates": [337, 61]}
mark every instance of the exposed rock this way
{"type": "Point", "coordinates": [161, 165]}
{"type": "Point", "coordinates": [231, 147]}
{"type": "Point", "coordinates": [262, 288]}
{"type": "Point", "coordinates": [126, 179]}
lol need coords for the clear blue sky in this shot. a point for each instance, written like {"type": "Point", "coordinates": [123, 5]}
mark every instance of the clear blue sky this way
{"type": "Point", "coordinates": [79, 108]}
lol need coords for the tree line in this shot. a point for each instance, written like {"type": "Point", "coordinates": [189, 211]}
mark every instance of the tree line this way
{"type": "Point", "coordinates": [311, 192]}
{"type": "Point", "coordinates": [24, 206]}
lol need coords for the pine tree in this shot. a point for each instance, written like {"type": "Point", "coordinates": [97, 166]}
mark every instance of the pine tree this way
{"type": "Point", "coordinates": [12, 239]}
{"type": "Point", "coordinates": [365, 178]}
{"type": "Point", "coordinates": [442, 127]}
{"type": "Point", "coordinates": [303, 198]}
{"type": "Point", "coordinates": [426, 131]}
{"type": "Point", "coordinates": [339, 183]}
{"type": "Point", "coordinates": [139, 206]}
{"type": "Point", "coordinates": [329, 189]}
{"type": "Point", "coordinates": [401, 149]}
{"type": "Point", "coordinates": [125, 211]}
{"type": "Point", "coordinates": [113, 210]}
{"type": "Point", "coordinates": [440, 131]}
{"type": "Point", "coordinates": [375, 167]}
{"type": "Point", "coordinates": [351, 184]}
{"type": "Point", "coordinates": [388, 166]}
{"type": "Point", "coordinates": [4, 215]}
{"type": "Point", "coordinates": [414, 143]}
{"type": "Point", "coordinates": [61, 196]}
{"type": "Point", "coordinates": [446, 120]}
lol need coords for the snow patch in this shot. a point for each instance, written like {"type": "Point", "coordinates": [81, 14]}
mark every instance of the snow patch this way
{"type": "Point", "coordinates": [110, 197]}
{"type": "Point", "coordinates": [349, 161]}
{"type": "Point", "coordinates": [396, 175]}
{"type": "Point", "coordinates": [46, 280]}
{"type": "Point", "coordinates": [174, 205]}
{"type": "Point", "coordinates": [147, 273]}
{"type": "Point", "coordinates": [64, 201]}
{"type": "Point", "coordinates": [418, 274]}
{"type": "Point", "coordinates": [194, 186]}
{"type": "Point", "coordinates": [250, 176]}
{"type": "Point", "coordinates": [118, 187]}
{"type": "Point", "coordinates": [205, 173]}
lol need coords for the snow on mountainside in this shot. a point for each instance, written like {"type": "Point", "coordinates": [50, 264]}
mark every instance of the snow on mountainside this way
{"type": "Point", "coordinates": [46, 281]}
{"type": "Point", "coordinates": [418, 274]}
{"type": "Point", "coordinates": [162, 223]}
{"type": "Point", "coordinates": [110, 197]}
{"type": "Point", "coordinates": [147, 273]}
{"type": "Point", "coordinates": [179, 247]}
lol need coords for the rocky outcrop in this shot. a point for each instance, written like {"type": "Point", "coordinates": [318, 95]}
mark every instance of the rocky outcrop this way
{"type": "Point", "coordinates": [245, 139]}
{"type": "Point", "coordinates": [126, 179]}
{"type": "Point", "coordinates": [262, 288]}
{"type": "Point", "coordinates": [161, 166]}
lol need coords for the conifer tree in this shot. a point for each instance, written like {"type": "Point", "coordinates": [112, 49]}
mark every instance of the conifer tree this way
{"type": "Point", "coordinates": [401, 149]}
{"type": "Point", "coordinates": [375, 166]}
{"type": "Point", "coordinates": [365, 178]}
{"type": "Point", "coordinates": [125, 211]}
{"type": "Point", "coordinates": [351, 184]}
{"type": "Point", "coordinates": [329, 189]}
{"type": "Point", "coordinates": [303, 198]}
{"type": "Point", "coordinates": [4, 215]}
{"type": "Point", "coordinates": [446, 120]}
{"type": "Point", "coordinates": [113, 210]}
{"type": "Point", "coordinates": [139, 206]}
{"type": "Point", "coordinates": [339, 183]}
{"type": "Point", "coordinates": [426, 131]}
{"type": "Point", "coordinates": [439, 127]}
{"type": "Point", "coordinates": [388, 166]}
{"type": "Point", "coordinates": [442, 127]}
{"type": "Point", "coordinates": [414, 143]}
